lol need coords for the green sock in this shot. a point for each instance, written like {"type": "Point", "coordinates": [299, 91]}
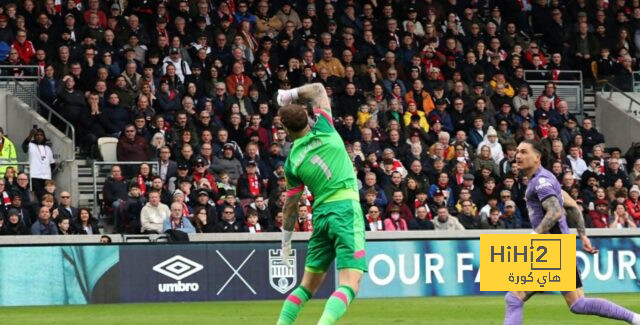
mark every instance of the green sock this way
{"type": "Point", "coordinates": [293, 305]}
{"type": "Point", "coordinates": [337, 305]}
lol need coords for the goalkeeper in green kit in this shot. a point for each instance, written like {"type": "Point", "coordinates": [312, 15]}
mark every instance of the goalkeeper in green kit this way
{"type": "Point", "coordinates": [319, 160]}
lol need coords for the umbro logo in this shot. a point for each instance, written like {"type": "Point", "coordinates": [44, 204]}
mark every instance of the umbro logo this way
{"type": "Point", "coordinates": [178, 267]}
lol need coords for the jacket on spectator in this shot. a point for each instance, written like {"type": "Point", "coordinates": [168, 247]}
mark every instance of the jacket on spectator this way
{"type": "Point", "coordinates": [235, 226]}
{"type": "Point", "coordinates": [420, 224]}
{"type": "Point", "coordinates": [245, 185]}
{"type": "Point", "coordinates": [7, 155]}
{"type": "Point", "coordinates": [114, 190]}
{"type": "Point", "coordinates": [599, 220]}
{"type": "Point", "coordinates": [395, 225]}
{"type": "Point", "coordinates": [17, 229]}
{"type": "Point", "coordinates": [118, 117]}
{"type": "Point", "coordinates": [185, 226]}
{"type": "Point", "coordinates": [231, 166]}
{"type": "Point", "coordinates": [451, 223]}
{"type": "Point", "coordinates": [469, 221]}
{"type": "Point", "coordinates": [152, 217]}
{"type": "Point", "coordinates": [136, 150]}
{"type": "Point", "coordinates": [40, 229]}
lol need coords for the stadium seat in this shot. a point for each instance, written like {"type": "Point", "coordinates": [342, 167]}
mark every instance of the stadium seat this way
{"type": "Point", "coordinates": [107, 147]}
{"type": "Point", "coordinates": [594, 71]}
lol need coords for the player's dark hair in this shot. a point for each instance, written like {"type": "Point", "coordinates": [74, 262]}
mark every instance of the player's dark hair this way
{"type": "Point", "coordinates": [537, 147]}
{"type": "Point", "coordinates": [294, 117]}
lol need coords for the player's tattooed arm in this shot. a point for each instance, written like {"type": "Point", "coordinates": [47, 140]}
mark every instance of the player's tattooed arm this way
{"type": "Point", "coordinates": [553, 213]}
{"type": "Point", "coordinates": [290, 212]}
{"type": "Point", "coordinates": [316, 93]}
{"type": "Point", "coordinates": [573, 213]}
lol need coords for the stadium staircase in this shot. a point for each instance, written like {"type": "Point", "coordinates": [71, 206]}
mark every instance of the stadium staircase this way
{"type": "Point", "coordinates": [589, 103]}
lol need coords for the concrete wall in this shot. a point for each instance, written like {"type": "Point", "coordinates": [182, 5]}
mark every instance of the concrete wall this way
{"type": "Point", "coordinates": [620, 127]}
{"type": "Point", "coordinates": [17, 119]}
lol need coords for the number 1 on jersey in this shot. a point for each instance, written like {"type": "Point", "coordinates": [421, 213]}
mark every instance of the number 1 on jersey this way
{"type": "Point", "coordinates": [316, 160]}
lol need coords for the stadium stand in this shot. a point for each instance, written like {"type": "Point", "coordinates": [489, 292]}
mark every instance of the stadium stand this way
{"type": "Point", "coordinates": [160, 102]}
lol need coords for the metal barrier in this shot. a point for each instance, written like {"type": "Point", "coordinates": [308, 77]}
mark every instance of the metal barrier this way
{"type": "Point", "coordinates": [572, 91]}
{"type": "Point", "coordinates": [30, 81]}
{"type": "Point", "coordinates": [47, 112]}
{"type": "Point", "coordinates": [154, 169]}
{"type": "Point", "coordinates": [615, 89]}
{"type": "Point", "coordinates": [636, 81]}
{"type": "Point", "coordinates": [530, 76]}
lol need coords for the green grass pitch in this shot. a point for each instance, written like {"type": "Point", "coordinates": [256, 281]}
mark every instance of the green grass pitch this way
{"type": "Point", "coordinates": [541, 309]}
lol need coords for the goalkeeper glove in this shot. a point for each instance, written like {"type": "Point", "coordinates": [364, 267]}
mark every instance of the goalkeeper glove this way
{"type": "Point", "coordinates": [285, 97]}
{"type": "Point", "coordinates": [286, 247]}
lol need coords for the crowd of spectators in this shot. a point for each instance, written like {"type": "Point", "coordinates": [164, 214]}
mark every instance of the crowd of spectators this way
{"type": "Point", "coordinates": [429, 97]}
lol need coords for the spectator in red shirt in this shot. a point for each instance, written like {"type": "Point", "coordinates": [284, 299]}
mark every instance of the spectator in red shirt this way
{"type": "Point", "coordinates": [25, 48]}
{"type": "Point", "coordinates": [633, 204]}
{"type": "Point", "coordinates": [303, 222]}
{"type": "Point", "coordinates": [600, 216]}
{"type": "Point", "coordinates": [263, 134]}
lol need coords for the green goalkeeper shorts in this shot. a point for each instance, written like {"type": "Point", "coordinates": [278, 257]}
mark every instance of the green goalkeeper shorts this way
{"type": "Point", "coordinates": [338, 233]}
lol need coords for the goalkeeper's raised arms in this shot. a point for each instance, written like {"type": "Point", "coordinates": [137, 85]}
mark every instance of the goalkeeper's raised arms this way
{"type": "Point", "coordinates": [314, 92]}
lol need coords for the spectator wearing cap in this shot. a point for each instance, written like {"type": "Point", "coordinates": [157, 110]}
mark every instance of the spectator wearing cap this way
{"type": "Point", "coordinates": [24, 211]}
{"type": "Point", "coordinates": [201, 171]}
{"type": "Point", "coordinates": [442, 188]}
{"type": "Point", "coordinates": [205, 200]}
{"type": "Point", "coordinates": [228, 163]}
{"type": "Point", "coordinates": [249, 184]}
{"type": "Point", "coordinates": [441, 114]}
{"type": "Point", "coordinates": [509, 215]}
{"type": "Point", "coordinates": [8, 153]}
{"type": "Point", "coordinates": [12, 225]}
{"type": "Point", "coordinates": [491, 140]}
{"type": "Point", "coordinates": [175, 59]}
{"type": "Point", "coordinates": [395, 220]}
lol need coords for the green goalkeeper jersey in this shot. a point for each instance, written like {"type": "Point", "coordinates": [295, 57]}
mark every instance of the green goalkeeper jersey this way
{"type": "Point", "coordinates": [320, 161]}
